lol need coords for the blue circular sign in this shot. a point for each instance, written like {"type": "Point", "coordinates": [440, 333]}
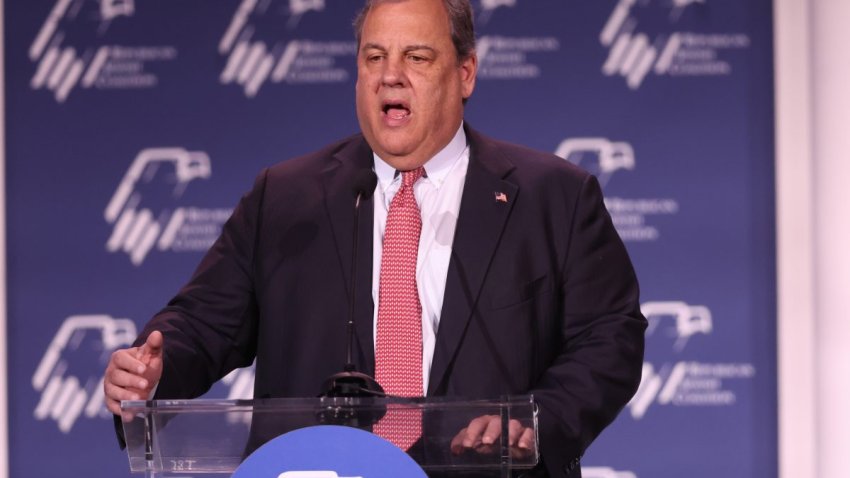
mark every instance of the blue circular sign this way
{"type": "Point", "coordinates": [329, 451]}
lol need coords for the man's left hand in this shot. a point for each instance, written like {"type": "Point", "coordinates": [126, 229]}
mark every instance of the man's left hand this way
{"type": "Point", "coordinates": [483, 433]}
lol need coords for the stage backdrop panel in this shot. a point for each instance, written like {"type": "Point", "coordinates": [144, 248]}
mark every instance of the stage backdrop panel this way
{"type": "Point", "coordinates": [133, 127]}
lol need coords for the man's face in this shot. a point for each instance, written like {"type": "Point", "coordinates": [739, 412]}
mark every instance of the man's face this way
{"type": "Point", "coordinates": [410, 86]}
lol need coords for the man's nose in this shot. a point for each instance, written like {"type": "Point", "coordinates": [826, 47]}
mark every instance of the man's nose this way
{"type": "Point", "coordinates": [393, 73]}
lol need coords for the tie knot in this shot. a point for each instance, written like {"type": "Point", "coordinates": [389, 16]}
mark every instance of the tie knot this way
{"type": "Point", "coordinates": [409, 178]}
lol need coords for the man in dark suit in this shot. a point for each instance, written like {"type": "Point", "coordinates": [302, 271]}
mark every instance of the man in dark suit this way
{"type": "Point", "coordinates": [522, 284]}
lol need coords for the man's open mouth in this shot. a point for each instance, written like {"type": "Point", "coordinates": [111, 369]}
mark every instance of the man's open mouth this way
{"type": "Point", "coordinates": [396, 110]}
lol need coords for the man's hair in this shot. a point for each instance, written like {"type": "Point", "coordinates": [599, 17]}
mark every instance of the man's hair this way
{"type": "Point", "coordinates": [460, 23]}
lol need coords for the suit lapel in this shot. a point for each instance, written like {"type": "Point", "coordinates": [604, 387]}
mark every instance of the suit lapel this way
{"type": "Point", "coordinates": [480, 223]}
{"type": "Point", "coordinates": [338, 183]}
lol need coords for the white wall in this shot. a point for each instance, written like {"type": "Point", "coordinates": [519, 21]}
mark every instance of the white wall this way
{"type": "Point", "coordinates": [813, 176]}
{"type": "Point", "coordinates": [831, 159]}
{"type": "Point", "coordinates": [795, 238]}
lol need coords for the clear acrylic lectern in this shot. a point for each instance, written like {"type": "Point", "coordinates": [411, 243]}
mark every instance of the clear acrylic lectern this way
{"type": "Point", "coordinates": [171, 438]}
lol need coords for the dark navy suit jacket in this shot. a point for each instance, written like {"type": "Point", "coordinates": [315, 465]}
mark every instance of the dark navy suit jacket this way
{"type": "Point", "coordinates": [540, 297]}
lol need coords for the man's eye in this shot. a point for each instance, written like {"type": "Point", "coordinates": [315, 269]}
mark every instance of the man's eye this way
{"type": "Point", "coordinates": [374, 58]}
{"type": "Point", "coordinates": [417, 59]}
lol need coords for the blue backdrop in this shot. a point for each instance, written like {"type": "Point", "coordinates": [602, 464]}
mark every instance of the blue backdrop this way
{"type": "Point", "coordinates": [134, 126]}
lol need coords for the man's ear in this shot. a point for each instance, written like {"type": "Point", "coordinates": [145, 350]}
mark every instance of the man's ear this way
{"type": "Point", "coordinates": [468, 72]}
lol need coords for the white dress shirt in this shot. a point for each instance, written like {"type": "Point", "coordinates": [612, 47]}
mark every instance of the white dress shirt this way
{"type": "Point", "coordinates": [438, 195]}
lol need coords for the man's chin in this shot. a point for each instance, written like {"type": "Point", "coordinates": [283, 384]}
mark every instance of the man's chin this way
{"type": "Point", "coordinates": [403, 160]}
{"type": "Point", "coordinates": [395, 151]}
{"type": "Point", "coordinates": [396, 143]}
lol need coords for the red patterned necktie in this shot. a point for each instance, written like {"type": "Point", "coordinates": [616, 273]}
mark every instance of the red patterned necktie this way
{"type": "Point", "coordinates": [398, 348]}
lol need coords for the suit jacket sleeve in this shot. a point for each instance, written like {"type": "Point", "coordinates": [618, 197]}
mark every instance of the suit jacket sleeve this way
{"type": "Point", "coordinates": [598, 365]}
{"type": "Point", "coordinates": [209, 327]}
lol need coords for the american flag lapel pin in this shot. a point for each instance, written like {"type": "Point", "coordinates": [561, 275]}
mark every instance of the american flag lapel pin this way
{"type": "Point", "coordinates": [501, 197]}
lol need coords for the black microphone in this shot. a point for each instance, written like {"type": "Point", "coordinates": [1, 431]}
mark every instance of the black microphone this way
{"type": "Point", "coordinates": [350, 382]}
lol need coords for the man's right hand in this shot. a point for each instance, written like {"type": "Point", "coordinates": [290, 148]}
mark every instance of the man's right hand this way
{"type": "Point", "coordinates": [133, 373]}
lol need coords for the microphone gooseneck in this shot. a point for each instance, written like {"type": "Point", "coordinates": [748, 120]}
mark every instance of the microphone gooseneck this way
{"type": "Point", "coordinates": [350, 382]}
{"type": "Point", "coordinates": [364, 187]}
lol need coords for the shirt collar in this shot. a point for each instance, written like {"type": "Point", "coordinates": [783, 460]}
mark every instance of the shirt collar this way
{"type": "Point", "coordinates": [436, 168]}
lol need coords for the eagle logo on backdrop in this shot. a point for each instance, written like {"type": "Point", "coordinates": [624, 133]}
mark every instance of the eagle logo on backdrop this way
{"type": "Point", "coordinates": [605, 158]}
{"type": "Point", "coordinates": [676, 321]}
{"type": "Point", "coordinates": [69, 50]}
{"type": "Point", "coordinates": [683, 321]}
{"type": "Point", "coordinates": [257, 51]}
{"type": "Point", "coordinates": [605, 472]}
{"type": "Point", "coordinates": [642, 38]}
{"type": "Point", "coordinates": [486, 7]}
{"type": "Point", "coordinates": [70, 374]}
{"type": "Point", "coordinates": [69, 377]}
{"type": "Point", "coordinates": [139, 226]}
{"type": "Point", "coordinates": [599, 156]}
{"type": "Point", "coordinates": [673, 380]}
{"type": "Point", "coordinates": [62, 67]}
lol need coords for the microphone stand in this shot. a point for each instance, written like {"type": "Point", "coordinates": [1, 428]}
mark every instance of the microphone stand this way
{"type": "Point", "coordinates": [350, 384]}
